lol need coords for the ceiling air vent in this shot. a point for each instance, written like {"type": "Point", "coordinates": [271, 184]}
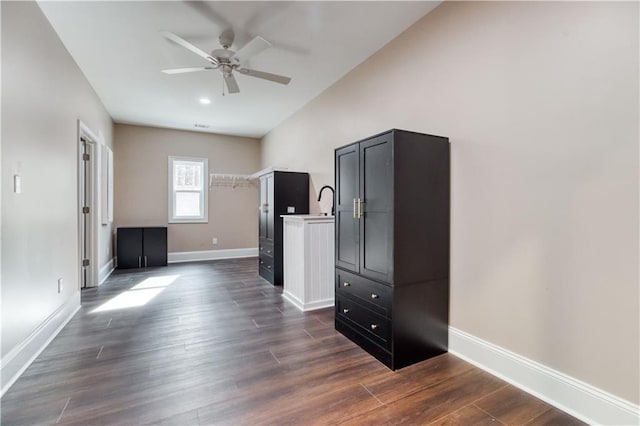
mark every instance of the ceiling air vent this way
{"type": "Point", "coordinates": [202, 126]}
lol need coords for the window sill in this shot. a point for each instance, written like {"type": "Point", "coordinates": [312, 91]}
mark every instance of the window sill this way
{"type": "Point", "coordinates": [174, 221]}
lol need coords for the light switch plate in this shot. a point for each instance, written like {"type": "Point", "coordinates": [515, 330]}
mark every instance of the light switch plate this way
{"type": "Point", "coordinates": [291, 209]}
{"type": "Point", "coordinates": [17, 184]}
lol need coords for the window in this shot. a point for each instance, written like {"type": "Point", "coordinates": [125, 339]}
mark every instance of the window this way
{"type": "Point", "coordinates": [188, 190]}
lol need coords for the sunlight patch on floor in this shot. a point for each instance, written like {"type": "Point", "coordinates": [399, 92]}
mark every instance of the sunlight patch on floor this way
{"type": "Point", "coordinates": [153, 282]}
{"type": "Point", "coordinates": [138, 295]}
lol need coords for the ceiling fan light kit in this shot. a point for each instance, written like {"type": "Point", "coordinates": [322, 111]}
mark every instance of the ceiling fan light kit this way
{"type": "Point", "coordinates": [227, 61]}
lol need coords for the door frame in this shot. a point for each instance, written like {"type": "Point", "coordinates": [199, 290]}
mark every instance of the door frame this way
{"type": "Point", "coordinates": [93, 195]}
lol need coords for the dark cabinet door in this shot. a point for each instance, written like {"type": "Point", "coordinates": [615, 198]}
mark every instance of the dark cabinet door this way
{"type": "Point", "coordinates": [262, 210]}
{"type": "Point", "coordinates": [155, 246]}
{"type": "Point", "coordinates": [271, 208]}
{"type": "Point", "coordinates": [347, 183]}
{"type": "Point", "coordinates": [376, 218]}
{"type": "Point", "coordinates": [129, 248]}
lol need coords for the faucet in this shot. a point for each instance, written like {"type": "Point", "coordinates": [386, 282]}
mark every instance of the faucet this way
{"type": "Point", "coordinates": [332, 198]}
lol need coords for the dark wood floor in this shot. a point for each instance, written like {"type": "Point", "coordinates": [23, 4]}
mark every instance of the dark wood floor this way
{"type": "Point", "coordinates": [220, 346]}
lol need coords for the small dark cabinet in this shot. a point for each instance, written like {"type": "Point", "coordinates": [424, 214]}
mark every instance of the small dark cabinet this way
{"type": "Point", "coordinates": [142, 247]}
{"type": "Point", "coordinates": [392, 245]}
{"type": "Point", "coordinates": [280, 193]}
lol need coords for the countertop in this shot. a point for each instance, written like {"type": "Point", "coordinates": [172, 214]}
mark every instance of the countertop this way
{"type": "Point", "coordinates": [307, 217]}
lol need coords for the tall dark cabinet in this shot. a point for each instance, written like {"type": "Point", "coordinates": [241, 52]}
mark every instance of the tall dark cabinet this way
{"type": "Point", "coordinates": [280, 193]}
{"type": "Point", "coordinates": [142, 247]}
{"type": "Point", "coordinates": [392, 245]}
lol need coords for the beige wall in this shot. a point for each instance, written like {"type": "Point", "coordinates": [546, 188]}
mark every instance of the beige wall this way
{"type": "Point", "coordinates": [44, 93]}
{"type": "Point", "coordinates": [141, 194]}
{"type": "Point", "coordinates": [540, 101]}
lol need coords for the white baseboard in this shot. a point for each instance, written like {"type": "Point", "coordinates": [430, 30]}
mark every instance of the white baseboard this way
{"type": "Point", "coordinates": [308, 306]}
{"type": "Point", "coordinates": [195, 256]}
{"type": "Point", "coordinates": [105, 271]}
{"type": "Point", "coordinates": [20, 357]}
{"type": "Point", "coordinates": [581, 400]}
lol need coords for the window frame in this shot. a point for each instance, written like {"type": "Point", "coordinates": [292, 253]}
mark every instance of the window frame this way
{"type": "Point", "coordinates": [204, 192]}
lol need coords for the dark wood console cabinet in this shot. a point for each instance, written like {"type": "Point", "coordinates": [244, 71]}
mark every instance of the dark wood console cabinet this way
{"type": "Point", "coordinates": [392, 245]}
{"type": "Point", "coordinates": [142, 247]}
{"type": "Point", "coordinates": [280, 193]}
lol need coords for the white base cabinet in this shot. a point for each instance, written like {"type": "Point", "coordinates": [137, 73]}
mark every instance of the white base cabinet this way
{"type": "Point", "coordinates": [308, 268]}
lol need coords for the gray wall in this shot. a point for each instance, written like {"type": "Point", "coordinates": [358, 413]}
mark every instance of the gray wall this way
{"type": "Point", "coordinates": [540, 101]}
{"type": "Point", "coordinates": [141, 185]}
{"type": "Point", "coordinates": [44, 94]}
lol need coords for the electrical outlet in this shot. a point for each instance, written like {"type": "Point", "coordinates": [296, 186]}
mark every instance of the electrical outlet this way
{"type": "Point", "coordinates": [214, 241]}
{"type": "Point", "coordinates": [59, 285]}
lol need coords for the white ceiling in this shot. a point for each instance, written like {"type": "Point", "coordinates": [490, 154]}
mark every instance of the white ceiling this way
{"type": "Point", "coordinates": [118, 47]}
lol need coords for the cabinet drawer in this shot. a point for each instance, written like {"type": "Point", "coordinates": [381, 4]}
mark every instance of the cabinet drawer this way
{"type": "Point", "coordinates": [373, 326]}
{"type": "Point", "coordinates": [265, 273]}
{"type": "Point", "coordinates": [265, 262]}
{"type": "Point", "coordinates": [265, 249]}
{"type": "Point", "coordinates": [377, 297]}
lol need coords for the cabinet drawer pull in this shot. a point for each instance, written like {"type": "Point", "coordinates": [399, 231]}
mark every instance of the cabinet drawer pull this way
{"type": "Point", "coordinates": [268, 251]}
{"type": "Point", "coordinates": [345, 311]}
{"type": "Point", "coordinates": [261, 262]}
{"type": "Point", "coordinates": [374, 296]}
{"type": "Point", "coordinates": [268, 266]}
{"type": "Point", "coordinates": [374, 326]}
{"type": "Point", "coordinates": [346, 284]}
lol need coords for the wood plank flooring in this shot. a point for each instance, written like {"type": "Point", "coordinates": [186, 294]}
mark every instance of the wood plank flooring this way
{"type": "Point", "coordinates": [216, 344]}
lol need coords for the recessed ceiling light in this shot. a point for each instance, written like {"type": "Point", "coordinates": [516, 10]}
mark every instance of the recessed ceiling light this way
{"type": "Point", "coordinates": [205, 101]}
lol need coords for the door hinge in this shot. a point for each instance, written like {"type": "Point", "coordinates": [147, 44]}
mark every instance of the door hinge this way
{"type": "Point", "coordinates": [85, 210]}
{"type": "Point", "coordinates": [85, 262]}
{"type": "Point", "coordinates": [85, 157]}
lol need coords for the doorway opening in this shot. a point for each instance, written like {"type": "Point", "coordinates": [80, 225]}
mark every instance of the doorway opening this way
{"type": "Point", "coordinates": [87, 207]}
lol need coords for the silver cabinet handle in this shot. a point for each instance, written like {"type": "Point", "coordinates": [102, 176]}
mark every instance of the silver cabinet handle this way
{"type": "Point", "coordinates": [139, 261]}
{"type": "Point", "coordinates": [360, 203]}
{"type": "Point", "coordinates": [268, 251]}
{"type": "Point", "coordinates": [355, 208]}
{"type": "Point", "coordinates": [346, 284]}
{"type": "Point", "coordinates": [268, 266]}
{"type": "Point", "coordinates": [345, 311]}
{"type": "Point", "coordinates": [145, 261]}
{"type": "Point", "coordinates": [374, 296]}
{"type": "Point", "coordinates": [374, 326]}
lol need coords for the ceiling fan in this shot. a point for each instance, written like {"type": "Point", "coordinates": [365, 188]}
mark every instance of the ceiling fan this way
{"type": "Point", "coordinates": [227, 61]}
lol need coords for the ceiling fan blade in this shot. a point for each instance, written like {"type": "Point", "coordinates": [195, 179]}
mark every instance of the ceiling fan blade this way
{"type": "Point", "coordinates": [232, 84]}
{"type": "Point", "coordinates": [265, 75]}
{"type": "Point", "coordinates": [255, 46]}
{"type": "Point", "coordinates": [184, 43]}
{"type": "Point", "coordinates": [183, 70]}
